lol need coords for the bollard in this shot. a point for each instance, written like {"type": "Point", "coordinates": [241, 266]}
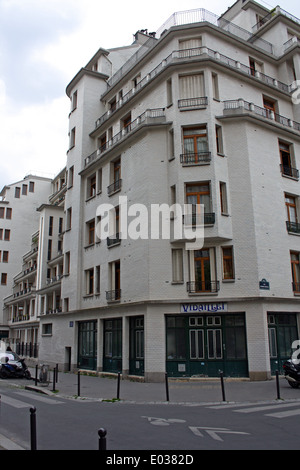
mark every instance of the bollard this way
{"type": "Point", "coordinates": [56, 373]}
{"type": "Point", "coordinates": [222, 385]}
{"type": "Point", "coordinates": [33, 428]}
{"type": "Point", "coordinates": [118, 386]}
{"type": "Point", "coordinates": [36, 375]}
{"type": "Point", "coordinates": [78, 383]}
{"type": "Point", "coordinates": [277, 385]}
{"type": "Point", "coordinates": [54, 381]}
{"type": "Point", "coordinates": [102, 439]}
{"type": "Point", "coordinates": [167, 386]}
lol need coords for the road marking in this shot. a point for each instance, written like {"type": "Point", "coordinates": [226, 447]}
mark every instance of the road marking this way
{"type": "Point", "coordinates": [13, 402]}
{"type": "Point", "coordinates": [284, 414]}
{"type": "Point", "coordinates": [214, 432]}
{"type": "Point", "coordinates": [8, 444]}
{"type": "Point", "coordinates": [36, 396]}
{"type": "Point", "coordinates": [163, 421]}
{"type": "Point", "coordinates": [265, 408]}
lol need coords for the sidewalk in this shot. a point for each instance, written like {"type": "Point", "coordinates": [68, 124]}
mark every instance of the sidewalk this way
{"type": "Point", "coordinates": [193, 391]}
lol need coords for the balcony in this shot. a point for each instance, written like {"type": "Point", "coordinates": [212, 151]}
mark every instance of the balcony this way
{"type": "Point", "coordinates": [28, 290]}
{"type": "Point", "coordinates": [114, 187]}
{"type": "Point", "coordinates": [290, 172]}
{"type": "Point", "coordinates": [114, 240]}
{"type": "Point", "coordinates": [293, 227]}
{"type": "Point", "coordinates": [240, 106]}
{"type": "Point", "coordinates": [276, 11]}
{"type": "Point", "coordinates": [149, 117]}
{"type": "Point", "coordinates": [113, 295]}
{"type": "Point", "coordinates": [202, 287]}
{"type": "Point", "coordinates": [193, 103]}
{"type": "Point", "coordinates": [190, 219]}
{"type": "Point", "coordinates": [193, 159]}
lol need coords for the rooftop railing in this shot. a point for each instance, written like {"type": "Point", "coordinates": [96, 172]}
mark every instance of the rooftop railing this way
{"type": "Point", "coordinates": [274, 12]}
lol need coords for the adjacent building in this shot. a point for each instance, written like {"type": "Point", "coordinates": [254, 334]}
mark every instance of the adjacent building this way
{"type": "Point", "coordinates": [203, 114]}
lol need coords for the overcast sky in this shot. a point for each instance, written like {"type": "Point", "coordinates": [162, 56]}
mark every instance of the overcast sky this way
{"type": "Point", "coordinates": [43, 44]}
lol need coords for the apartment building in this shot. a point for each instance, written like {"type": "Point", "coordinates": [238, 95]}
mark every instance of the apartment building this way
{"type": "Point", "coordinates": [18, 205]}
{"type": "Point", "coordinates": [200, 116]}
{"type": "Point", "coordinates": [36, 286]}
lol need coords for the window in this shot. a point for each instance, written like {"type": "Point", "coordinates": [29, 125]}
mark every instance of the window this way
{"type": "Point", "coordinates": [223, 198]}
{"type": "Point", "coordinates": [97, 285]}
{"type": "Point", "coordinates": [228, 271]}
{"type": "Point", "coordinates": [190, 43]}
{"type": "Point", "coordinates": [269, 106]}
{"type": "Point", "coordinates": [89, 276]}
{"type": "Point", "coordinates": [69, 218]}
{"type": "Point", "coordinates": [7, 235]}
{"type": "Point", "coordinates": [49, 250]}
{"type": "Point", "coordinates": [60, 225]}
{"type": "Point", "coordinates": [177, 265]}
{"type": "Point", "coordinates": [74, 101]}
{"type": "Point", "coordinates": [47, 329]}
{"type": "Point", "coordinates": [219, 140]}
{"type": "Point", "coordinates": [199, 193]}
{"type": "Point", "coordinates": [292, 216]}
{"type": "Point", "coordinates": [115, 281]}
{"type": "Point", "coordinates": [24, 189]}
{"type": "Point", "coordinates": [71, 177]}
{"type": "Point", "coordinates": [50, 225]}
{"type": "Point", "coordinates": [2, 212]}
{"type": "Point", "coordinates": [91, 186]}
{"type": "Point", "coordinates": [126, 122]}
{"type": "Point", "coordinates": [169, 92]}
{"type": "Point", "coordinates": [17, 192]}
{"type": "Point", "coordinates": [191, 86]}
{"type": "Point", "coordinates": [195, 145]}
{"type": "Point", "coordinates": [295, 271]}
{"type": "Point", "coordinates": [115, 219]}
{"type": "Point", "coordinates": [255, 66]}
{"type": "Point", "coordinates": [72, 137]}
{"type": "Point", "coordinates": [5, 256]}
{"type": "Point", "coordinates": [115, 177]}
{"type": "Point", "coordinates": [287, 164]}
{"type": "Point", "coordinates": [67, 262]}
{"type": "Point", "coordinates": [91, 232]}
{"type": "Point", "coordinates": [215, 86]}
{"type": "Point", "coordinates": [8, 213]}
{"type": "Point", "coordinates": [1, 233]}
{"type": "Point", "coordinates": [31, 187]}
{"type": "Point", "coordinates": [3, 279]}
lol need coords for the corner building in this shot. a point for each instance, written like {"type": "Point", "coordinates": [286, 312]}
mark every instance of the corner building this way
{"type": "Point", "coordinates": [201, 112]}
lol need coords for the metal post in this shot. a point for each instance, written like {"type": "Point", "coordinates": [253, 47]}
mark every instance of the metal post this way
{"type": "Point", "coordinates": [222, 385]}
{"type": "Point", "coordinates": [167, 386]}
{"type": "Point", "coordinates": [102, 439]}
{"type": "Point", "coordinates": [56, 376]}
{"type": "Point", "coordinates": [53, 389]}
{"type": "Point", "coordinates": [33, 428]}
{"type": "Point", "coordinates": [277, 385]}
{"type": "Point", "coordinates": [36, 375]}
{"type": "Point", "coordinates": [78, 383]}
{"type": "Point", "coordinates": [118, 386]}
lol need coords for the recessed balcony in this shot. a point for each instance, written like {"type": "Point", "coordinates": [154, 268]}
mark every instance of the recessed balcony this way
{"type": "Point", "coordinates": [113, 295]}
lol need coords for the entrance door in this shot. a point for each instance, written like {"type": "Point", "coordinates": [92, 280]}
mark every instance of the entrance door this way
{"type": "Point", "coordinates": [87, 345]}
{"type": "Point", "coordinates": [112, 358]}
{"type": "Point", "coordinates": [136, 361]}
{"type": "Point", "coordinates": [282, 333]}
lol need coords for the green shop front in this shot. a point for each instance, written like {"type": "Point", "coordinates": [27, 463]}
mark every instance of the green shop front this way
{"type": "Point", "coordinates": [205, 339]}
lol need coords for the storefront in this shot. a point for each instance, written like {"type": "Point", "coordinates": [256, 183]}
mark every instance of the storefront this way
{"type": "Point", "coordinates": [205, 343]}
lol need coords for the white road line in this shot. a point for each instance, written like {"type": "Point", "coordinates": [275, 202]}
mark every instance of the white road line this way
{"type": "Point", "coordinates": [13, 402]}
{"type": "Point", "coordinates": [268, 407]}
{"type": "Point", "coordinates": [42, 398]}
{"type": "Point", "coordinates": [284, 414]}
{"type": "Point", "coordinates": [7, 444]}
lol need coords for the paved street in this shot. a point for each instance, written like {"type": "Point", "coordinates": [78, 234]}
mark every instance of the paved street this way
{"type": "Point", "coordinates": [144, 420]}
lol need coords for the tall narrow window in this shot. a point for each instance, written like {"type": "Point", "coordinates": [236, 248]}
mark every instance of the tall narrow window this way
{"type": "Point", "coordinates": [295, 271]}
{"type": "Point", "coordinates": [31, 186]}
{"type": "Point", "coordinates": [215, 86]}
{"type": "Point", "coordinates": [8, 213]}
{"type": "Point", "coordinates": [2, 210]}
{"type": "Point", "coordinates": [228, 270]}
{"type": "Point", "coordinates": [50, 225]}
{"type": "Point", "coordinates": [89, 273]}
{"type": "Point", "coordinates": [17, 192]}
{"type": "Point", "coordinates": [195, 146]}
{"type": "Point", "coordinates": [223, 198]}
{"type": "Point", "coordinates": [219, 140]}
{"type": "Point", "coordinates": [72, 137]}
{"type": "Point", "coordinates": [269, 106]}
{"type": "Point", "coordinates": [287, 165]}
{"type": "Point", "coordinates": [169, 92]}
{"type": "Point", "coordinates": [292, 216]}
{"type": "Point", "coordinates": [91, 232]}
{"type": "Point", "coordinates": [3, 279]}
{"type": "Point", "coordinates": [7, 235]}
{"type": "Point", "coordinates": [24, 189]}
{"type": "Point", "coordinates": [177, 265]}
{"type": "Point", "coordinates": [97, 284]}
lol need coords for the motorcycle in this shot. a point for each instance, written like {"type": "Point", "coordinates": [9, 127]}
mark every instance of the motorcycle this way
{"type": "Point", "coordinates": [16, 370]}
{"type": "Point", "coordinates": [292, 372]}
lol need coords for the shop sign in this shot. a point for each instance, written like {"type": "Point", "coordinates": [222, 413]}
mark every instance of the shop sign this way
{"type": "Point", "coordinates": [204, 307]}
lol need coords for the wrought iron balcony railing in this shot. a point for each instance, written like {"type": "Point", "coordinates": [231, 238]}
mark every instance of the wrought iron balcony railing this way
{"type": "Point", "coordinates": [191, 219]}
{"type": "Point", "coordinates": [195, 287]}
{"type": "Point", "coordinates": [198, 158]}
{"type": "Point", "coordinates": [293, 227]}
{"type": "Point", "coordinates": [113, 240]}
{"type": "Point", "coordinates": [114, 187]}
{"type": "Point", "coordinates": [289, 171]}
{"type": "Point", "coordinates": [112, 295]}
